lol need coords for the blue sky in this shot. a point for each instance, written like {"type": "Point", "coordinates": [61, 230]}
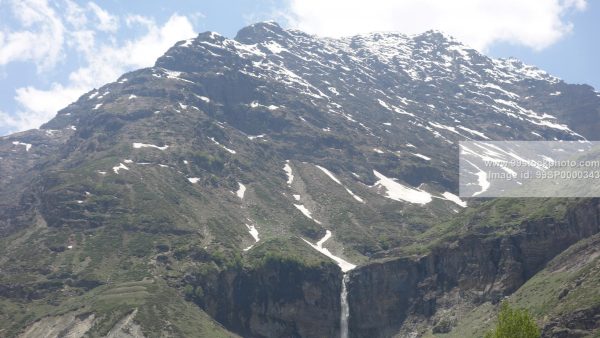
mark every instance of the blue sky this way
{"type": "Point", "coordinates": [574, 58]}
{"type": "Point", "coordinates": [51, 52]}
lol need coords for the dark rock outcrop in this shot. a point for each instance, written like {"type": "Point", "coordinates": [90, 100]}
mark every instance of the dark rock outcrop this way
{"type": "Point", "coordinates": [277, 299]}
{"type": "Point", "coordinates": [580, 323]}
{"type": "Point", "coordinates": [382, 295]}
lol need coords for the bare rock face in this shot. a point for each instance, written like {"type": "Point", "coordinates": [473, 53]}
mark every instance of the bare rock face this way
{"type": "Point", "coordinates": [68, 325]}
{"type": "Point", "coordinates": [75, 325]}
{"type": "Point", "coordinates": [475, 269]}
{"type": "Point", "coordinates": [280, 299]}
{"type": "Point", "coordinates": [126, 328]}
{"type": "Point", "coordinates": [580, 323]}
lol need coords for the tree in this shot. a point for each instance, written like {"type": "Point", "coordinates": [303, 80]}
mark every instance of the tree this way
{"type": "Point", "coordinates": [514, 323]}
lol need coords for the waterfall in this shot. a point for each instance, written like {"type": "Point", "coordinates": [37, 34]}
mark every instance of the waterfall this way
{"type": "Point", "coordinates": [345, 267]}
{"type": "Point", "coordinates": [345, 308]}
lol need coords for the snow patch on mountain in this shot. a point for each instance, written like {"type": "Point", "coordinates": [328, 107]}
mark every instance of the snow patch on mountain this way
{"type": "Point", "coordinates": [343, 264]}
{"type": "Point", "coordinates": [482, 179]}
{"type": "Point", "coordinates": [356, 197]}
{"type": "Point", "coordinates": [171, 74]}
{"type": "Point", "coordinates": [426, 158]}
{"type": "Point", "coordinates": [474, 132]}
{"type": "Point", "coordinates": [241, 191]}
{"type": "Point", "coordinates": [121, 166]}
{"type": "Point", "coordinates": [333, 178]}
{"type": "Point", "coordinates": [399, 192]}
{"type": "Point", "coordinates": [231, 151]}
{"type": "Point", "coordinates": [330, 174]}
{"type": "Point", "coordinates": [26, 145]}
{"type": "Point", "coordinates": [187, 43]}
{"type": "Point", "coordinates": [383, 104]}
{"type": "Point", "coordinates": [453, 198]}
{"type": "Point", "coordinates": [254, 233]}
{"type": "Point", "coordinates": [203, 98]}
{"type": "Point", "coordinates": [288, 171]}
{"type": "Point", "coordinates": [256, 104]}
{"type": "Point", "coordinates": [274, 47]}
{"type": "Point", "coordinates": [306, 212]}
{"type": "Point", "coordinates": [146, 145]}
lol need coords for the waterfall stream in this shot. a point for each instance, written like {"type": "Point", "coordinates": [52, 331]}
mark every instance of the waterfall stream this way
{"type": "Point", "coordinates": [345, 267]}
{"type": "Point", "coordinates": [345, 308]}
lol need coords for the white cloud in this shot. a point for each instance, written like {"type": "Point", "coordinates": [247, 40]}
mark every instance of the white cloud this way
{"type": "Point", "coordinates": [75, 14]}
{"type": "Point", "coordinates": [106, 21]}
{"type": "Point", "coordinates": [38, 105]}
{"type": "Point", "coordinates": [479, 23]}
{"type": "Point", "coordinates": [144, 51]}
{"type": "Point", "coordinates": [103, 60]}
{"type": "Point", "coordinates": [41, 38]}
{"type": "Point", "coordinates": [107, 61]}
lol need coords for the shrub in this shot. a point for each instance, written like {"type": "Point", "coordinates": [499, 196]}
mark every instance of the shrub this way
{"type": "Point", "coordinates": [193, 292]}
{"type": "Point", "coordinates": [514, 323]}
{"type": "Point", "coordinates": [188, 292]}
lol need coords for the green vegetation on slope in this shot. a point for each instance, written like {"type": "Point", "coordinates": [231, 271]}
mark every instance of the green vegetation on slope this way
{"type": "Point", "coordinates": [514, 323]}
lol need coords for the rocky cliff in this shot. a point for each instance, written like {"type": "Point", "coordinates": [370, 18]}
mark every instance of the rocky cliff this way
{"type": "Point", "coordinates": [278, 299]}
{"type": "Point", "coordinates": [399, 294]}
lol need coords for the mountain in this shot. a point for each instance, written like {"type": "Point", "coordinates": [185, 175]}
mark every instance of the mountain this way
{"type": "Point", "coordinates": [280, 184]}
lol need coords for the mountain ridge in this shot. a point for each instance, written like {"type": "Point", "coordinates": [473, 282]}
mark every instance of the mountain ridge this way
{"type": "Point", "coordinates": [205, 173]}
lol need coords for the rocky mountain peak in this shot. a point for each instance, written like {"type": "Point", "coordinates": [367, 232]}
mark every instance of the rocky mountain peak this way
{"type": "Point", "coordinates": [436, 35]}
{"type": "Point", "coordinates": [261, 32]}
{"type": "Point", "coordinates": [243, 166]}
{"type": "Point", "coordinates": [211, 37]}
